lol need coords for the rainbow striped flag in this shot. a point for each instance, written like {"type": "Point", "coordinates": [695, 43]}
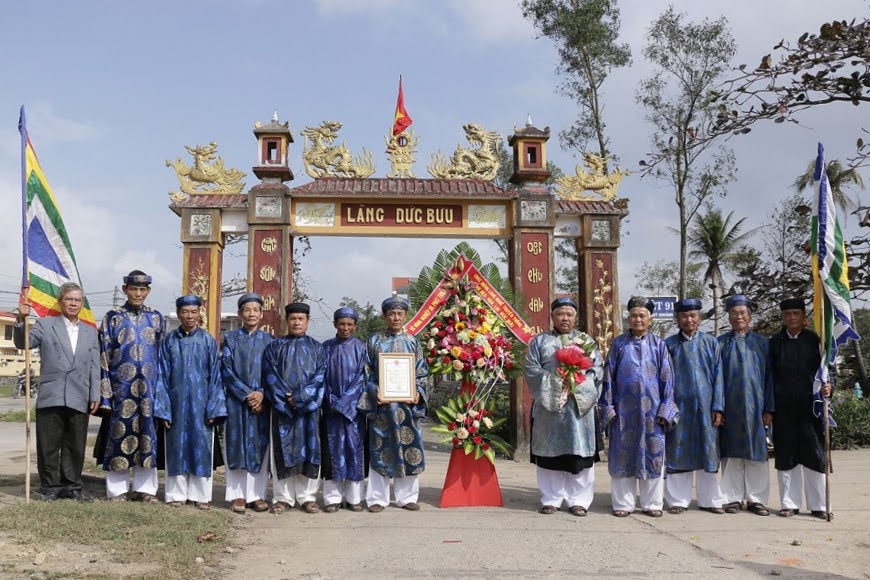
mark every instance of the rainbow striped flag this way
{"type": "Point", "coordinates": [832, 310]}
{"type": "Point", "coordinates": [49, 261]}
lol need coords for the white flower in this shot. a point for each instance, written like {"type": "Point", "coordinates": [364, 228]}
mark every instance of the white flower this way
{"type": "Point", "coordinates": [460, 417]}
{"type": "Point", "coordinates": [487, 422]}
{"type": "Point", "coordinates": [476, 424]}
{"type": "Point", "coordinates": [431, 343]}
{"type": "Point", "coordinates": [462, 433]}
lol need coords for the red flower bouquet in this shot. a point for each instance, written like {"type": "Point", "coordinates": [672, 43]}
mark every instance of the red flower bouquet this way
{"type": "Point", "coordinates": [574, 359]}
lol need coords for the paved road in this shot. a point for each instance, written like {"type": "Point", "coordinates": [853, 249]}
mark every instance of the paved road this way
{"type": "Point", "coordinates": [516, 542]}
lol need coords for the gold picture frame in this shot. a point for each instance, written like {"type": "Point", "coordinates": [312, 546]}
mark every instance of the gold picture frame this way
{"type": "Point", "coordinates": [397, 376]}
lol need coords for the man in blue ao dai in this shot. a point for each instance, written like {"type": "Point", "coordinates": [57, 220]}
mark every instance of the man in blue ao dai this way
{"type": "Point", "coordinates": [246, 435]}
{"type": "Point", "coordinates": [692, 447]}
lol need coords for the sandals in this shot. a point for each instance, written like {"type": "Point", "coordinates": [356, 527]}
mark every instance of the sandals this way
{"type": "Point", "coordinates": [821, 514]}
{"type": "Point", "coordinates": [237, 506]}
{"type": "Point", "coordinates": [620, 513]}
{"type": "Point", "coordinates": [712, 510]}
{"type": "Point", "coordinates": [258, 506]}
{"type": "Point", "coordinates": [758, 509]}
{"type": "Point", "coordinates": [547, 510]}
{"type": "Point", "coordinates": [280, 507]}
{"type": "Point", "coordinates": [331, 508]}
{"type": "Point", "coordinates": [676, 510]}
{"type": "Point", "coordinates": [354, 507]}
{"type": "Point", "coordinates": [148, 498]}
{"type": "Point", "coordinates": [577, 510]}
{"type": "Point", "coordinates": [175, 504]}
{"type": "Point", "coordinates": [653, 513]}
{"type": "Point", "coordinates": [787, 513]}
{"type": "Point", "coordinates": [376, 508]}
{"type": "Point", "coordinates": [310, 507]}
{"type": "Point", "coordinates": [732, 508]}
{"type": "Point", "coordinates": [119, 498]}
{"type": "Point", "coordinates": [202, 505]}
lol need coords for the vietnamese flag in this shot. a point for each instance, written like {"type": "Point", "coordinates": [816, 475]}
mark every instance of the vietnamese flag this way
{"type": "Point", "coordinates": [402, 120]}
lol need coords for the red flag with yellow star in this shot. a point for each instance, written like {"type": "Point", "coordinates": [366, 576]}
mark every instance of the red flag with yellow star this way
{"type": "Point", "coordinates": [402, 119]}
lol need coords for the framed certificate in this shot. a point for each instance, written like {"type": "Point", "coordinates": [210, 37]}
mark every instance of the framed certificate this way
{"type": "Point", "coordinates": [397, 376]}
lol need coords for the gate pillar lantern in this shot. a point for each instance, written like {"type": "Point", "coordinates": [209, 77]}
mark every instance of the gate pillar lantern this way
{"type": "Point", "coordinates": [531, 255]}
{"type": "Point", "coordinates": [270, 240]}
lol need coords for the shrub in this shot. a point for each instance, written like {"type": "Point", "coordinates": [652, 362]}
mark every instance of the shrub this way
{"type": "Point", "coordinates": [853, 421]}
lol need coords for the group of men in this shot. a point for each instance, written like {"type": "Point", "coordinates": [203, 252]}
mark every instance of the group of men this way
{"type": "Point", "coordinates": [291, 407]}
{"type": "Point", "coordinates": [298, 410]}
{"type": "Point", "coordinates": [674, 410]}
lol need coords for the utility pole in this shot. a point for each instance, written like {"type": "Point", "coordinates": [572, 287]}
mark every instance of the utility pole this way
{"type": "Point", "coordinates": [116, 297]}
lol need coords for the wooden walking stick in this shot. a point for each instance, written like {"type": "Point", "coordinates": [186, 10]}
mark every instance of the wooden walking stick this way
{"type": "Point", "coordinates": [827, 401]}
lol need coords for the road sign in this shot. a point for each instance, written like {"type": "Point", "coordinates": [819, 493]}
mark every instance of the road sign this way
{"type": "Point", "coordinates": [664, 307]}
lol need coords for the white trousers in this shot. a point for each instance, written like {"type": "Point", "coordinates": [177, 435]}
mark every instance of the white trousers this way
{"type": "Point", "coordinates": [144, 481]}
{"type": "Point", "coordinates": [242, 484]}
{"type": "Point", "coordinates": [624, 489]}
{"type": "Point", "coordinates": [336, 490]}
{"type": "Point", "coordinates": [296, 488]}
{"type": "Point", "coordinates": [407, 489]}
{"type": "Point", "coordinates": [790, 483]}
{"type": "Point", "coordinates": [744, 479]}
{"type": "Point", "coordinates": [188, 488]}
{"type": "Point", "coordinates": [560, 486]}
{"type": "Point", "coordinates": [678, 489]}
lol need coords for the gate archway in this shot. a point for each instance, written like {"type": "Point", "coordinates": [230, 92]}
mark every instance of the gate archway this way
{"type": "Point", "coordinates": [273, 214]}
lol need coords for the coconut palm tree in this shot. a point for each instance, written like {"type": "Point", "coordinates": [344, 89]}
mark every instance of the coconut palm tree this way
{"type": "Point", "coordinates": [839, 177]}
{"type": "Point", "coordinates": [714, 239]}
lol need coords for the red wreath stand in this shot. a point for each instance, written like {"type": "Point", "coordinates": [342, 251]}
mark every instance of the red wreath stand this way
{"type": "Point", "coordinates": [470, 481]}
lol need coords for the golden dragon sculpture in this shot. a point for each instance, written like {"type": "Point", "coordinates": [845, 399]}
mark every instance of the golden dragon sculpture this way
{"type": "Point", "coordinates": [478, 163]}
{"type": "Point", "coordinates": [323, 159]}
{"type": "Point", "coordinates": [207, 175]}
{"type": "Point", "coordinates": [603, 185]}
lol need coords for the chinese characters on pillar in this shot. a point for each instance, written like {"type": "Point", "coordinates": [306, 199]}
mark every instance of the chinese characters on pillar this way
{"type": "Point", "coordinates": [266, 278]}
{"type": "Point", "coordinates": [535, 275]}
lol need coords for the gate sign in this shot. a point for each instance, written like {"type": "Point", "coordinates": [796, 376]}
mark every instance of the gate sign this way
{"type": "Point", "coordinates": [664, 307]}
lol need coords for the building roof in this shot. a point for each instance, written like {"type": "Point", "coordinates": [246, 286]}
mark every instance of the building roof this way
{"type": "Point", "coordinates": [566, 207]}
{"type": "Point", "coordinates": [388, 187]}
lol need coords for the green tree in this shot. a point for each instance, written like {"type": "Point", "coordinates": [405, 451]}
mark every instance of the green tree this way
{"type": "Point", "coordinates": [586, 34]}
{"type": "Point", "coordinates": [715, 239]}
{"type": "Point", "coordinates": [688, 59]}
{"type": "Point", "coordinates": [839, 177]}
{"type": "Point", "coordinates": [778, 267]}
{"type": "Point", "coordinates": [370, 320]}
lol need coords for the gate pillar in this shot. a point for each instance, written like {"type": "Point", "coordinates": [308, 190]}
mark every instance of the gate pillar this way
{"type": "Point", "coordinates": [202, 262]}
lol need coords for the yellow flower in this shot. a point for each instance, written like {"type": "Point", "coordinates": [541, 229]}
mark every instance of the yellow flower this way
{"type": "Point", "coordinates": [456, 351]}
{"type": "Point", "coordinates": [487, 350]}
{"type": "Point", "coordinates": [485, 327]}
{"type": "Point", "coordinates": [472, 335]}
{"type": "Point", "coordinates": [460, 326]}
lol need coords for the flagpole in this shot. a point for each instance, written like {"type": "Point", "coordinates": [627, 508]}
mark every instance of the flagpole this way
{"type": "Point", "coordinates": [827, 460]}
{"type": "Point", "coordinates": [25, 287]}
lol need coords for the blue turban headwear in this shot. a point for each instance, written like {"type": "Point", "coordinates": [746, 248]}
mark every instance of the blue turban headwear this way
{"type": "Point", "coordinates": [137, 280]}
{"type": "Point", "coordinates": [345, 312]}
{"type": "Point", "coordinates": [189, 300]}
{"type": "Point", "coordinates": [737, 300]}
{"type": "Point", "coordinates": [564, 301]}
{"type": "Point", "coordinates": [297, 307]}
{"type": "Point", "coordinates": [688, 305]}
{"type": "Point", "coordinates": [642, 302]}
{"type": "Point", "coordinates": [250, 297]}
{"type": "Point", "coordinates": [394, 303]}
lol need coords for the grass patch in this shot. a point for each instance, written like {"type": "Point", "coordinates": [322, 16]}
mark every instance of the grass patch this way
{"type": "Point", "coordinates": [124, 533]}
{"type": "Point", "coordinates": [17, 416]}
{"type": "Point", "coordinates": [6, 390]}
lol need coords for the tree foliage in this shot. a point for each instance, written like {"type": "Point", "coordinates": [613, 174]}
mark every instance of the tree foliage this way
{"type": "Point", "coordinates": [688, 59]}
{"type": "Point", "coordinates": [839, 179]}
{"type": "Point", "coordinates": [714, 240]}
{"type": "Point", "coordinates": [370, 320]}
{"type": "Point", "coordinates": [777, 269]}
{"type": "Point", "coordinates": [586, 34]}
{"type": "Point", "coordinates": [818, 69]}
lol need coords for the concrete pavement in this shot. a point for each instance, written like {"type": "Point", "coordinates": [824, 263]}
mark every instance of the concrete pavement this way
{"type": "Point", "coordinates": [516, 542]}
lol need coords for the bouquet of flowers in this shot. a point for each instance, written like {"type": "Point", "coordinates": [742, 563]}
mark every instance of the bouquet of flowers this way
{"type": "Point", "coordinates": [467, 338]}
{"type": "Point", "coordinates": [574, 358]}
{"type": "Point", "coordinates": [469, 425]}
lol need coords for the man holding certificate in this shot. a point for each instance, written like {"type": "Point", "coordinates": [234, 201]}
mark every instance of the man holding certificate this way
{"type": "Point", "coordinates": [395, 400]}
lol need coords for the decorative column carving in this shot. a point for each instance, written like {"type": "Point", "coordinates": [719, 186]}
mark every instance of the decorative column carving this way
{"type": "Point", "coordinates": [202, 262]}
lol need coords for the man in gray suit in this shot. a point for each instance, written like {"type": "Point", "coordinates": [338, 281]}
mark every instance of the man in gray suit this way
{"type": "Point", "coordinates": [69, 390]}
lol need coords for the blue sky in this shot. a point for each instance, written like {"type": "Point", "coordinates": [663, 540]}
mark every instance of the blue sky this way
{"type": "Point", "coordinates": [113, 89]}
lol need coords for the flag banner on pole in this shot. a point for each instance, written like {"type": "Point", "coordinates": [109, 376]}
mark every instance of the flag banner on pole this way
{"type": "Point", "coordinates": [402, 119]}
{"type": "Point", "coordinates": [49, 260]}
{"type": "Point", "coordinates": [832, 310]}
